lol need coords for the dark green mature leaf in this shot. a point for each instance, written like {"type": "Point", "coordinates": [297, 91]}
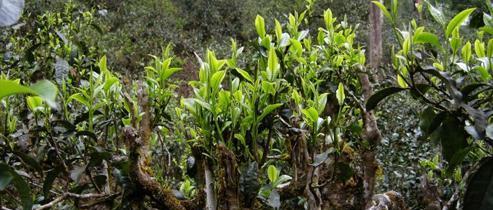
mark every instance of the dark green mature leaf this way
{"type": "Point", "coordinates": [436, 122]}
{"type": "Point", "coordinates": [10, 11]}
{"type": "Point", "coordinates": [267, 110]}
{"type": "Point", "coordinates": [97, 158]}
{"type": "Point", "coordinates": [453, 137]}
{"type": "Point", "coordinates": [425, 119]}
{"type": "Point", "coordinates": [88, 134]}
{"type": "Point", "coordinates": [444, 76]}
{"type": "Point", "coordinates": [457, 21]}
{"type": "Point", "coordinates": [380, 95]}
{"type": "Point", "coordinates": [419, 89]}
{"type": "Point", "coordinates": [471, 130]}
{"type": "Point", "coordinates": [457, 159]}
{"type": "Point", "coordinates": [467, 90]}
{"type": "Point", "coordinates": [479, 193]}
{"type": "Point", "coordinates": [344, 171]}
{"type": "Point", "coordinates": [274, 199]}
{"type": "Point", "coordinates": [5, 179]}
{"type": "Point", "coordinates": [20, 184]}
{"type": "Point", "coordinates": [30, 161]}
{"type": "Point", "coordinates": [49, 179]}
{"type": "Point", "coordinates": [489, 131]}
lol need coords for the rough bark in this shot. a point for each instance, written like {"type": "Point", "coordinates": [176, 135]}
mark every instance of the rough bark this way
{"type": "Point", "coordinates": [371, 133]}
{"type": "Point", "coordinates": [138, 142]}
{"type": "Point", "coordinates": [230, 179]}
{"type": "Point", "coordinates": [430, 196]}
{"type": "Point", "coordinates": [209, 188]}
{"type": "Point", "coordinates": [375, 19]}
{"type": "Point", "coordinates": [388, 201]}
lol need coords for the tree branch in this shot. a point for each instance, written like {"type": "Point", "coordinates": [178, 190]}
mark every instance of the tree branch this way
{"type": "Point", "coordinates": [71, 195]}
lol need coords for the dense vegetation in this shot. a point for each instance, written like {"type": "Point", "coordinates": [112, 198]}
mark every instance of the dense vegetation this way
{"type": "Point", "coordinates": [246, 105]}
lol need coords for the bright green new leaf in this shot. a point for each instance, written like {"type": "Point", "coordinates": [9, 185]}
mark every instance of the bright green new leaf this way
{"type": "Point", "coordinates": [272, 173]}
{"type": "Point", "coordinates": [467, 52]}
{"type": "Point", "coordinates": [311, 114]}
{"type": "Point", "coordinates": [244, 74]}
{"type": "Point", "coordinates": [260, 26]}
{"type": "Point", "coordinates": [322, 101]}
{"type": "Point", "coordinates": [296, 47]}
{"type": "Point", "coordinates": [273, 64]}
{"type": "Point", "coordinates": [296, 97]}
{"type": "Point", "coordinates": [328, 19]}
{"type": "Point", "coordinates": [395, 5]}
{"type": "Point", "coordinates": [278, 31]}
{"type": "Point", "coordinates": [80, 98]}
{"type": "Point", "coordinates": [217, 78]}
{"type": "Point", "coordinates": [439, 66]}
{"type": "Point", "coordinates": [489, 51]}
{"type": "Point", "coordinates": [406, 45]}
{"type": "Point", "coordinates": [487, 29]}
{"type": "Point", "coordinates": [269, 87]}
{"type": "Point", "coordinates": [479, 49]}
{"type": "Point", "coordinates": [102, 64]}
{"type": "Point", "coordinates": [169, 72]}
{"type": "Point", "coordinates": [45, 89]}
{"type": "Point", "coordinates": [340, 94]}
{"type": "Point", "coordinates": [34, 102]}
{"type": "Point", "coordinates": [457, 21]}
{"type": "Point", "coordinates": [485, 75]}
{"type": "Point", "coordinates": [401, 82]}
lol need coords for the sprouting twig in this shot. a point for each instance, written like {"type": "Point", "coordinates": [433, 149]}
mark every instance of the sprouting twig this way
{"type": "Point", "coordinates": [70, 195]}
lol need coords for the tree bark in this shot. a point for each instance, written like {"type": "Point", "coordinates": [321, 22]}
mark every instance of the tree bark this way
{"type": "Point", "coordinates": [209, 188]}
{"type": "Point", "coordinates": [137, 141]}
{"type": "Point", "coordinates": [229, 186]}
{"type": "Point", "coordinates": [375, 19]}
{"type": "Point", "coordinates": [371, 133]}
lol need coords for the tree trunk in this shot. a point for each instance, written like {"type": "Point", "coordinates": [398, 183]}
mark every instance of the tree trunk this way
{"type": "Point", "coordinates": [375, 20]}
{"type": "Point", "coordinates": [209, 188]}
{"type": "Point", "coordinates": [371, 133]}
{"type": "Point", "coordinates": [229, 193]}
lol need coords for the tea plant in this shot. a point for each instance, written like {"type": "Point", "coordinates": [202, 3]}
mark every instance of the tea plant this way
{"type": "Point", "coordinates": [453, 80]}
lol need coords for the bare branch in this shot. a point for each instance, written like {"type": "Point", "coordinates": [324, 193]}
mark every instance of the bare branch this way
{"type": "Point", "coordinates": [70, 195]}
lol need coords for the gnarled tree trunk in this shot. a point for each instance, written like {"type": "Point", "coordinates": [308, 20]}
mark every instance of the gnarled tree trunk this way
{"type": "Point", "coordinates": [371, 133]}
